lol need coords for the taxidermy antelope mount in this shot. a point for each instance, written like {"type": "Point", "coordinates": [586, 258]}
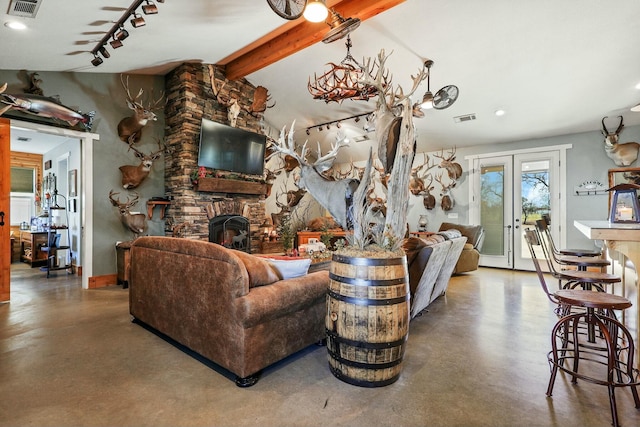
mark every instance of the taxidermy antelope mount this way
{"type": "Point", "coordinates": [132, 176]}
{"type": "Point", "coordinates": [132, 125]}
{"type": "Point", "coordinates": [621, 154]}
{"type": "Point", "coordinates": [334, 196]}
{"type": "Point", "coordinates": [229, 102]}
{"type": "Point", "coordinates": [136, 222]}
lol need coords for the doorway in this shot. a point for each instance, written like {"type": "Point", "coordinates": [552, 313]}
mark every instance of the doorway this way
{"type": "Point", "coordinates": [85, 222]}
{"type": "Point", "coordinates": [509, 192]}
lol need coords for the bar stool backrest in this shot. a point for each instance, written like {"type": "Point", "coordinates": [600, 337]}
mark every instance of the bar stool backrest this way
{"type": "Point", "coordinates": [533, 241]}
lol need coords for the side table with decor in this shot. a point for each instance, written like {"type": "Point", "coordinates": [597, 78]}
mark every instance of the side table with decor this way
{"type": "Point", "coordinates": [123, 263]}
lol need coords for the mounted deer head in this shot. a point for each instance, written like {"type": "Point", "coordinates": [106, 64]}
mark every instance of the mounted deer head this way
{"type": "Point", "coordinates": [132, 125]}
{"type": "Point", "coordinates": [132, 176]}
{"type": "Point", "coordinates": [334, 196]}
{"type": "Point", "coordinates": [260, 99]}
{"type": "Point", "coordinates": [231, 103]}
{"type": "Point", "coordinates": [447, 201]}
{"type": "Point", "coordinates": [621, 154]}
{"type": "Point", "coordinates": [136, 222]}
{"type": "Point", "coordinates": [454, 170]}
{"type": "Point", "coordinates": [428, 199]}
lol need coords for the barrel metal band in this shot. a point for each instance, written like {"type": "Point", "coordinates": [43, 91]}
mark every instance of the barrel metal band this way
{"type": "Point", "coordinates": [370, 261]}
{"type": "Point", "coordinates": [368, 301]}
{"type": "Point", "coordinates": [332, 336]}
{"type": "Point", "coordinates": [364, 365]}
{"type": "Point", "coordinates": [362, 383]}
{"type": "Point", "coordinates": [368, 282]}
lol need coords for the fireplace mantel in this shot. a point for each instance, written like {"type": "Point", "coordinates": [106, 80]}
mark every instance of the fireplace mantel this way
{"type": "Point", "coordinates": [232, 186]}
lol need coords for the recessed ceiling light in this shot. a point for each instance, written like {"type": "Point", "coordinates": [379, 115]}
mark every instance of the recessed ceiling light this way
{"type": "Point", "coordinates": [500, 113]}
{"type": "Point", "coordinates": [15, 25]}
{"type": "Point", "coordinates": [638, 86]}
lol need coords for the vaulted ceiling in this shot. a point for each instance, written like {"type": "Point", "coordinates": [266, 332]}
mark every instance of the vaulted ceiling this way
{"type": "Point", "coordinates": [555, 67]}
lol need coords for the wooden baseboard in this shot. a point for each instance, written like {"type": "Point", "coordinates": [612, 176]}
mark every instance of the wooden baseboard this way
{"type": "Point", "coordinates": [102, 281]}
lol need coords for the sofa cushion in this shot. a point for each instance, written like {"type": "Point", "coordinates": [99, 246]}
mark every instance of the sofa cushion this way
{"type": "Point", "coordinates": [259, 270]}
{"type": "Point", "coordinates": [289, 268]}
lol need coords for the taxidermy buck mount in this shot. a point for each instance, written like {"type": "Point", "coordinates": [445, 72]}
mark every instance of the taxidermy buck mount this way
{"type": "Point", "coordinates": [132, 176]}
{"type": "Point", "coordinates": [621, 154]}
{"type": "Point", "coordinates": [132, 126]}
{"type": "Point", "coordinates": [232, 103]}
{"type": "Point", "coordinates": [135, 222]}
{"type": "Point", "coordinates": [334, 196]}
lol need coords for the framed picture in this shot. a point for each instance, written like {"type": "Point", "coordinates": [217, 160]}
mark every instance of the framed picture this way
{"type": "Point", "coordinates": [47, 165]}
{"type": "Point", "coordinates": [73, 183]}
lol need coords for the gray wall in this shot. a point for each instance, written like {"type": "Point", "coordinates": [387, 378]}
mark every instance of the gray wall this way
{"type": "Point", "coordinates": [103, 93]}
{"type": "Point", "coordinates": [586, 161]}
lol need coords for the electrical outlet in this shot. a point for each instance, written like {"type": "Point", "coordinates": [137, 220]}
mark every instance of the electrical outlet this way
{"type": "Point", "coordinates": [452, 215]}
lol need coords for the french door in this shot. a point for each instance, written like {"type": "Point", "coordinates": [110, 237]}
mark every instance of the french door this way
{"type": "Point", "coordinates": [510, 192]}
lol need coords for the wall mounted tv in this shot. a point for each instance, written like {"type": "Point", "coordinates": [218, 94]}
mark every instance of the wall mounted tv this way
{"type": "Point", "coordinates": [231, 149]}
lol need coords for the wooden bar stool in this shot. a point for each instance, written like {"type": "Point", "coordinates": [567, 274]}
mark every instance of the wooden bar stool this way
{"type": "Point", "coordinates": [605, 357]}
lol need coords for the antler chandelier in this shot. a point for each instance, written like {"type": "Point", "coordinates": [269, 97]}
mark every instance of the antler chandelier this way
{"type": "Point", "coordinates": [343, 81]}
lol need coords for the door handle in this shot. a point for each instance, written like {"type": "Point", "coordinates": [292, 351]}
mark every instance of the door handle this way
{"type": "Point", "coordinates": [1, 218]}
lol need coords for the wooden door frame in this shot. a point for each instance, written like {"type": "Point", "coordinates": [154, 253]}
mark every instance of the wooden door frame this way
{"type": "Point", "coordinates": [86, 158]}
{"type": "Point", "coordinates": [5, 189]}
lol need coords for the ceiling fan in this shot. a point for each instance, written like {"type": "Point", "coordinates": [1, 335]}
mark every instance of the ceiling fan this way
{"type": "Point", "coordinates": [288, 9]}
{"type": "Point", "coordinates": [444, 98]}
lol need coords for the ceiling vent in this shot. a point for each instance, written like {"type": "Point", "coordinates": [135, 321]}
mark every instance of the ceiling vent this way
{"type": "Point", "coordinates": [465, 118]}
{"type": "Point", "coordinates": [23, 139]}
{"type": "Point", "coordinates": [24, 8]}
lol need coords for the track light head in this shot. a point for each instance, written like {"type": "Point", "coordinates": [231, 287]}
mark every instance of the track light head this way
{"type": "Point", "coordinates": [122, 34]}
{"type": "Point", "coordinates": [115, 42]}
{"type": "Point", "coordinates": [104, 52]}
{"type": "Point", "coordinates": [96, 60]}
{"type": "Point", "coordinates": [137, 21]}
{"type": "Point", "coordinates": [150, 8]}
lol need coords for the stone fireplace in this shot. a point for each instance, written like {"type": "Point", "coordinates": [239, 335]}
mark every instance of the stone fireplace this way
{"type": "Point", "coordinates": [189, 99]}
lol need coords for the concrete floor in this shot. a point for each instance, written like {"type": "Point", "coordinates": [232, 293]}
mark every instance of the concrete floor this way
{"type": "Point", "coordinates": [477, 357]}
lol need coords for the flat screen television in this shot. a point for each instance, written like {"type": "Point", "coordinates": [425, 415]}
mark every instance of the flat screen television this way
{"type": "Point", "coordinates": [231, 149]}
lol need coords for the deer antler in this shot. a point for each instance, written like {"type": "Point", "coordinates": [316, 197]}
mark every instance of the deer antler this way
{"type": "Point", "coordinates": [321, 163]}
{"type": "Point", "coordinates": [381, 79]}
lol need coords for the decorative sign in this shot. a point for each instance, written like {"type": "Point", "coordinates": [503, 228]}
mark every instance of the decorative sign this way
{"type": "Point", "coordinates": [590, 188]}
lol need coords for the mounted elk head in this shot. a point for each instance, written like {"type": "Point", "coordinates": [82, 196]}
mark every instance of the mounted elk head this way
{"type": "Point", "coordinates": [387, 123]}
{"type": "Point", "coordinates": [428, 199]}
{"type": "Point", "coordinates": [132, 176]}
{"type": "Point", "coordinates": [136, 222]}
{"type": "Point", "coordinates": [260, 99]}
{"type": "Point", "coordinates": [132, 125]}
{"type": "Point", "coordinates": [447, 201]}
{"type": "Point", "coordinates": [231, 103]}
{"type": "Point", "coordinates": [621, 154]}
{"type": "Point", "coordinates": [454, 170]}
{"type": "Point", "coordinates": [334, 196]}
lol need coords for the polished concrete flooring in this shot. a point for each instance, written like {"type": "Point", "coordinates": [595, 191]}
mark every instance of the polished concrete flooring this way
{"type": "Point", "coordinates": [477, 357]}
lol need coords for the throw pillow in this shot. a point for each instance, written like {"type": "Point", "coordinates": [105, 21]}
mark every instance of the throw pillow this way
{"type": "Point", "coordinates": [287, 269]}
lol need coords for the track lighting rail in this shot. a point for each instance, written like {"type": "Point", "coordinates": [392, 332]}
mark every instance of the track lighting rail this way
{"type": "Point", "coordinates": [113, 35]}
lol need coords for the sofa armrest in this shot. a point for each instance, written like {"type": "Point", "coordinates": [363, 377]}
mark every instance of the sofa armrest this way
{"type": "Point", "coordinates": [264, 303]}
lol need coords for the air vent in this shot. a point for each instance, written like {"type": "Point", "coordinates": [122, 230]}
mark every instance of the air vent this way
{"type": "Point", "coordinates": [465, 118]}
{"type": "Point", "coordinates": [361, 138]}
{"type": "Point", "coordinates": [24, 8]}
{"type": "Point", "coordinates": [23, 139]}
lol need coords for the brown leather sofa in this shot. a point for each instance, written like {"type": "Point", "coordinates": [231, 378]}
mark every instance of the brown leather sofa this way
{"type": "Point", "coordinates": [470, 256]}
{"type": "Point", "coordinates": [225, 305]}
{"type": "Point", "coordinates": [430, 262]}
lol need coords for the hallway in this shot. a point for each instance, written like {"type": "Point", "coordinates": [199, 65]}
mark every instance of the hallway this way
{"type": "Point", "coordinates": [477, 357]}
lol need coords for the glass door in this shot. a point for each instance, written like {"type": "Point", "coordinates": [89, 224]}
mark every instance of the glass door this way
{"type": "Point", "coordinates": [509, 193]}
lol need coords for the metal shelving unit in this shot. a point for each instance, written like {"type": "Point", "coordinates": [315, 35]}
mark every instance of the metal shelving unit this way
{"type": "Point", "coordinates": [57, 224]}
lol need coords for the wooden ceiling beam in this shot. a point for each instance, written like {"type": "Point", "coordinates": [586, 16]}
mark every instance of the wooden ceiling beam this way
{"type": "Point", "coordinates": [295, 36]}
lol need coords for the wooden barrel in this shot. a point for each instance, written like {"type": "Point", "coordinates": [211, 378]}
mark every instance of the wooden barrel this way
{"type": "Point", "coordinates": [367, 319]}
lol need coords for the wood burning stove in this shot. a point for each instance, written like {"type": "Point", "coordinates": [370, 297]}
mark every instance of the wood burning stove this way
{"type": "Point", "coordinates": [230, 231]}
